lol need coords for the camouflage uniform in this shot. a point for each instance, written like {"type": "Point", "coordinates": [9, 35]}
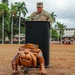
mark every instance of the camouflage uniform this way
{"type": "Point", "coordinates": [43, 16]}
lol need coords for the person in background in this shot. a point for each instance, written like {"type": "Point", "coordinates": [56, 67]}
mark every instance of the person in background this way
{"type": "Point", "coordinates": [40, 14]}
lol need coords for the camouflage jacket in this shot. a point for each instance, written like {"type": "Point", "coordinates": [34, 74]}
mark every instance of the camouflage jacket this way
{"type": "Point", "coordinates": [43, 16]}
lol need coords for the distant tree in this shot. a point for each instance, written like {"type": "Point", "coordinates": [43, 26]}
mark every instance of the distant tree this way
{"type": "Point", "coordinates": [13, 12]}
{"type": "Point", "coordinates": [21, 9]}
{"type": "Point", "coordinates": [74, 35]}
{"type": "Point", "coordinates": [73, 38]}
{"type": "Point", "coordinates": [5, 1]}
{"type": "Point", "coordinates": [60, 27]}
{"type": "Point", "coordinates": [15, 25]}
{"type": "Point", "coordinates": [53, 17]}
{"type": "Point", "coordinates": [27, 18]}
{"type": "Point", "coordinates": [4, 10]}
{"type": "Point", "coordinates": [54, 34]}
{"type": "Point", "coordinates": [0, 28]}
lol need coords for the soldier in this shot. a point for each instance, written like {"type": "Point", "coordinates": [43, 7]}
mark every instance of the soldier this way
{"type": "Point", "coordinates": [40, 14]}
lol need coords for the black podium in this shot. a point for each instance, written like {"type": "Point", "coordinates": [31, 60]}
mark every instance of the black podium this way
{"type": "Point", "coordinates": [37, 32]}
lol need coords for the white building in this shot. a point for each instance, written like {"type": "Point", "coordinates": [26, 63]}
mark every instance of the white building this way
{"type": "Point", "coordinates": [69, 32]}
{"type": "Point", "coordinates": [68, 35]}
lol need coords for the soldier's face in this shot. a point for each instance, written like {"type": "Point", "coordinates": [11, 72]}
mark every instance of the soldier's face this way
{"type": "Point", "coordinates": [39, 9]}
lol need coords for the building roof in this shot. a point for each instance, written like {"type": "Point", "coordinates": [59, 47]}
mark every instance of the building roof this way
{"type": "Point", "coordinates": [21, 35]}
{"type": "Point", "coordinates": [69, 29]}
{"type": "Point", "coordinates": [67, 36]}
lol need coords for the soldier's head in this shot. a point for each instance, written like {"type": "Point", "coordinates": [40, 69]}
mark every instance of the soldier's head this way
{"type": "Point", "coordinates": [39, 6]}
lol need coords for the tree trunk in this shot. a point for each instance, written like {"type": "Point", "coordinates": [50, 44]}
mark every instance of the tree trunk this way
{"type": "Point", "coordinates": [3, 29]}
{"type": "Point", "coordinates": [61, 38]}
{"type": "Point", "coordinates": [19, 27]}
{"type": "Point", "coordinates": [12, 31]}
{"type": "Point", "coordinates": [58, 37]}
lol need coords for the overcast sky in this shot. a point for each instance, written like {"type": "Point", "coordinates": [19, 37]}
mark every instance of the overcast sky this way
{"type": "Point", "coordinates": [64, 9]}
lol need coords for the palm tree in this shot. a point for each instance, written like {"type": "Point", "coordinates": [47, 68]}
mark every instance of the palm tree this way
{"type": "Point", "coordinates": [3, 10]}
{"type": "Point", "coordinates": [53, 16]}
{"type": "Point", "coordinates": [57, 29]}
{"type": "Point", "coordinates": [21, 9]}
{"type": "Point", "coordinates": [2, 14]}
{"type": "Point", "coordinates": [61, 28]}
{"type": "Point", "coordinates": [27, 18]}
{"type": "Point", "coordinates": [5, 1]}
{"type": "Point", "coordinates": [13, 12]}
